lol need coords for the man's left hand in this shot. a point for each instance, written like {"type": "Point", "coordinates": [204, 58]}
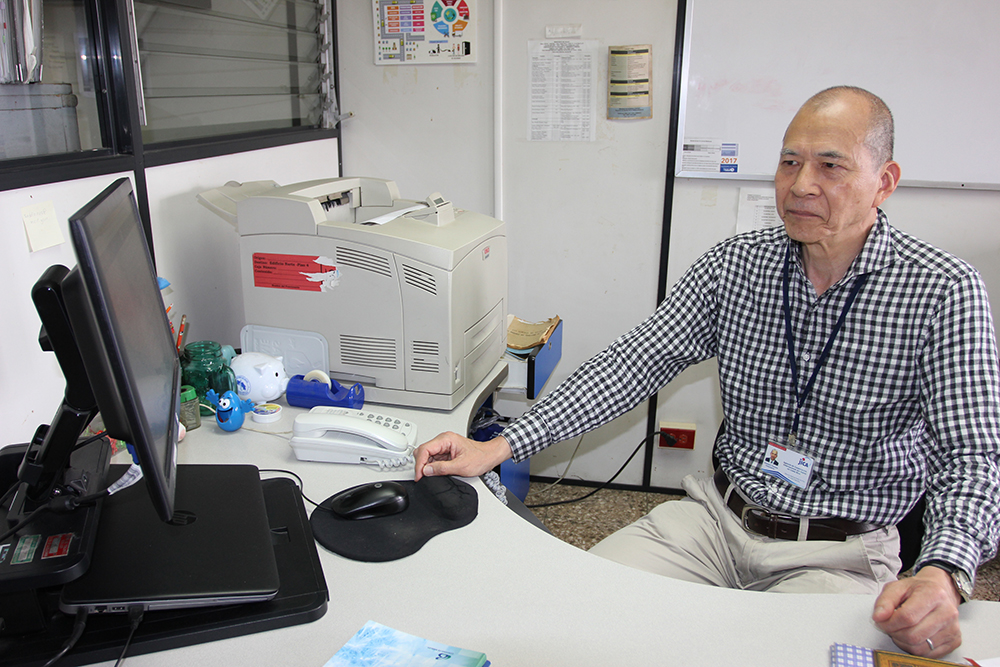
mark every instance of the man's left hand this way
{"type": "Point", "coordinates": [921, 607]}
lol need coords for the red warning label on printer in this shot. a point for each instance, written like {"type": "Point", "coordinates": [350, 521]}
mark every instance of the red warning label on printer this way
{"type": "Point", "coordinates": [307, 273]}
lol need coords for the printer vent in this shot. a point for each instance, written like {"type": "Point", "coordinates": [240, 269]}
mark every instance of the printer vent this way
{"type": "Point", "coordinates": [420, 279]}
{"type": "Point", "coordinates": [368, 352]}
{"type": "Point", "coordinates": [424, 356]}
{"type": "Point", "coordinates": [364, 260]}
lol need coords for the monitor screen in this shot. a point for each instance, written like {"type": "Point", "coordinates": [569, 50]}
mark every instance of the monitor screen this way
{"type": "Point", "coordinates": [121, 329]}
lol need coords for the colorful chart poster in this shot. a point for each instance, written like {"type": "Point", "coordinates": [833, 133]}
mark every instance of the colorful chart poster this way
{"type": "Point", "coordinates": [420, 32]}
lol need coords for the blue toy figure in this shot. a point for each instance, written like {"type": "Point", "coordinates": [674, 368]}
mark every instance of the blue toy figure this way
{"type": "Point", "coordinates": [230, 411]}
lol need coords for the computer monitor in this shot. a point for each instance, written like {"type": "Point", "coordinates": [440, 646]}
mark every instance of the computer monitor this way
{"type": "Point", "coordinates": [123, 334]}
{"type": "Point", "coordinates": [105, 321]}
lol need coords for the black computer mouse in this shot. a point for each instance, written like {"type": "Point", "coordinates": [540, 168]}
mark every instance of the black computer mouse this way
{"type": "Point", "coordinates": [367, 501]}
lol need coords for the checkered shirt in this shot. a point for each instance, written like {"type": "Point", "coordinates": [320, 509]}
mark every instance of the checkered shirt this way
{"type": "Point", "coordinates": [908, 400]}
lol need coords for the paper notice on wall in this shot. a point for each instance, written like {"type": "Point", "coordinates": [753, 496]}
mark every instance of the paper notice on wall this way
{"type": "Point", "coordinates": [708, 155]}
{"type": "Point", "coordinates": [630, 82]}
{"type": "Point", "coordinates": [757, 210]}
{"type": "Point", "coordinates": [41, 225]}
{"type": "Point", "coordinates": [562, 100]}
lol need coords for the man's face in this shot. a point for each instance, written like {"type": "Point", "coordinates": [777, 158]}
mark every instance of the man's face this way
{"type": "Point", "coordinates": [827, 184]}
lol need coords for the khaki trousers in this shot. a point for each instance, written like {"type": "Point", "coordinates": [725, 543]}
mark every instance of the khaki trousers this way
{"type": "Point", "coordinates": [701, 540]}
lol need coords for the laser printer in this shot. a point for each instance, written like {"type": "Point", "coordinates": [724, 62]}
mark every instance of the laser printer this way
{"type": "Point", "coordinates": [407, 297]}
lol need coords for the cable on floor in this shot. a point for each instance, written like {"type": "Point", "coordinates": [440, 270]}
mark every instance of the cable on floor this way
{"type": "Point", "coordinates": [605, 484]}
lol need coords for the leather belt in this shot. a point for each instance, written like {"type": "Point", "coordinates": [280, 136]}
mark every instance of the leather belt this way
{"type": "Point", "coordinates": [764, 522]}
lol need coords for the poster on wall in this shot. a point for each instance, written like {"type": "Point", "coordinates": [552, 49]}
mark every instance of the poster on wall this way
{"type": "Point", "coordinates": [710, 156]}
{"type": "Point", "coordinates": [630, 82]}
{"type": "Point", "coordinates": [421, 32]}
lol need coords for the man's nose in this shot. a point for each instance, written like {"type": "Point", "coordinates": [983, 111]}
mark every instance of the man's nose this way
{"type": "Point", "coordinates": [806, 181]}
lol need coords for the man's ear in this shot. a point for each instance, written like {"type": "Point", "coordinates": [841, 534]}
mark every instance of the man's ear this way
{"type": "Point", "coordinates": [888, 181]}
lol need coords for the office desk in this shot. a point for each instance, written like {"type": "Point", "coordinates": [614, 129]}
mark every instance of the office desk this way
{"type": "Point", "coordinates": [504, 587]}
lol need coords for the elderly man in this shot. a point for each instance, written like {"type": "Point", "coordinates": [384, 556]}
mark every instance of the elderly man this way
{"type": "Point", "coordinates": [864, 357]}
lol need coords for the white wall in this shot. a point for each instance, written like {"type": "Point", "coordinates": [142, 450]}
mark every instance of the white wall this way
{"type": "Point", "coordinates": [194, 249]}
{"type": "Point", "coordinates": [583, 218]}
{"type": "Point", "coordinates": [31, 383]}
{"type": "Point", "coordinates": [427, 127]}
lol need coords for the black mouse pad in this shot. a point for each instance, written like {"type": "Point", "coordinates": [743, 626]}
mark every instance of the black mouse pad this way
{"type": "Point", "coordinates": [437, 504]}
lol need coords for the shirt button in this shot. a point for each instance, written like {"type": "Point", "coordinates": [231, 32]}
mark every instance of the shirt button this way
{"type": "Point", "coordinates": [807, 357]}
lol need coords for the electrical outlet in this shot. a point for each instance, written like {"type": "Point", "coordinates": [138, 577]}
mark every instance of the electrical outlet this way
{"type": "Point", "coordinates": [682, 434]}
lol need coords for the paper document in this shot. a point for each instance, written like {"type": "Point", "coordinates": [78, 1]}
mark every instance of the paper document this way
{"type": "Point", "coordinates": [710, 155]}
{"type": "Point", "coordinates": [630, 82]}
{"type": "Point", "coordinates": [392, 215]}
{"type": "Point", "coordinates": [562, 99]}
{"type": "Point", "coordinates": [41, 225]}
{"type": "Point", "coordinates": [757, 210]}
{"type": "Point", "coordinates": [523, 335]}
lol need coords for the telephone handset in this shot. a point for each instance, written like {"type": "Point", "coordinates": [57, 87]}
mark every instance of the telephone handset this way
{"type": "Point", "coordinates": [342, 435]}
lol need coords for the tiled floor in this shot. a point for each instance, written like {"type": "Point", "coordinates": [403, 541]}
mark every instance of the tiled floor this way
{"type": "Point", "coordinates": [587, 522]}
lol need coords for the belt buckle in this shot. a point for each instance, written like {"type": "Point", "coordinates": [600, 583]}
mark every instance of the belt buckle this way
{"type": "Point", "coordinates": [745, 515]}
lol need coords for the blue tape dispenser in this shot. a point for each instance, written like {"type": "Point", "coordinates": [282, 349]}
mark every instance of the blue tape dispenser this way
{"type": "Point", "coordinates": [317, 388]}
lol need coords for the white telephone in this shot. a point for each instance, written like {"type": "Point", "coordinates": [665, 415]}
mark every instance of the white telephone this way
{"type": "Point", "coordinates": [341, 435]}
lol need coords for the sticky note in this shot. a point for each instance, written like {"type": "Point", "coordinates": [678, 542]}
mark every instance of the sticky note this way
{"type": "Point", "coordinates": [41, 226]}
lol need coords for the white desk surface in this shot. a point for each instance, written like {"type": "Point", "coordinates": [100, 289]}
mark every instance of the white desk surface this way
{"type": "Point", "coordinates": [523, 597]}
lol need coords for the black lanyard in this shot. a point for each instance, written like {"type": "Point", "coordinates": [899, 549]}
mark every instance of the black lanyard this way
{"type": "Point", "coordinates": [800, 397]}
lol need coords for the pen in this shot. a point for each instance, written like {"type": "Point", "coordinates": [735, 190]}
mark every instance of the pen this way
{"type": "Point", "coordinates": [180, 332]}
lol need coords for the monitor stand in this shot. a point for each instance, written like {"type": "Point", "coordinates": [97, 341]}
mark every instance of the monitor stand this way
{"type": "Point", "coordinates": [55, 548]}
{"type": "Point", "coordinates": [302, 597]}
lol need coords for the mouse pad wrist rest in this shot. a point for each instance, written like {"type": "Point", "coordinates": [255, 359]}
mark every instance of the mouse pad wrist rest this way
{"type": "Point", "coordinates": [437, 505]}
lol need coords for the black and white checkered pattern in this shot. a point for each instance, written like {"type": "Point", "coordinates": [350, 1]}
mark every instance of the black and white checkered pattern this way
{"type": "Point", "coordinates": [908, 400]}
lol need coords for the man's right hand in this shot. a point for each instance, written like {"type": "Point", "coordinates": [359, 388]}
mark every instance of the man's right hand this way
{"type": "Point", "coordinates": [451, 454]}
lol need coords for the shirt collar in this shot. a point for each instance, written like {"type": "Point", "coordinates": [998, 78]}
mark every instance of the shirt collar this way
{"type": "Point", "coordinates": [877, 253]}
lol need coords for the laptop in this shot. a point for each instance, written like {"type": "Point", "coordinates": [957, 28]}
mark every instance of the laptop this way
{"type": "Point", "coordinates": [217, 551]}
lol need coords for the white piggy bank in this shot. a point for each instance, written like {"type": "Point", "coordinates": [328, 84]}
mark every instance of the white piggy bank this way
{"type": "Point", "coordinates": [259, 377]}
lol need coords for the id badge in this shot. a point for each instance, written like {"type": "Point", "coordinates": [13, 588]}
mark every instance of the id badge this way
{"type": "Point", "coordinates": [787, 465]}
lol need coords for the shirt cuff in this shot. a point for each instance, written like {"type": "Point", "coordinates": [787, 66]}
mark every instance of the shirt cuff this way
{"type": "Point", "coordinates": [526, 436]}
{"type": "Point", "coordinates": [952, 547]}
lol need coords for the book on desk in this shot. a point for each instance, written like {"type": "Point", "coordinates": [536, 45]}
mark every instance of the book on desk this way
{"type": "Point", "coordinates": [377, 645]}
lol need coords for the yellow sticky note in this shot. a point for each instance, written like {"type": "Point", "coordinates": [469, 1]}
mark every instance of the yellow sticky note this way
{"type": "Point", "coordinates": [41, 226]}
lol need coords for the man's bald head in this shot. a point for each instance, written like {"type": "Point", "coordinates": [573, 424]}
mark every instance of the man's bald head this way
{"type": "Point", "coordinates": [879, 138]}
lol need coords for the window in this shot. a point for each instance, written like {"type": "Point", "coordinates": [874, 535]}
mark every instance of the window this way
{"type": "Point", "coordinates": [212, 67]}
{"type": "Point", "coordinates": [51, 107]}
{"type": "Point", "coordinates": [159, 78]}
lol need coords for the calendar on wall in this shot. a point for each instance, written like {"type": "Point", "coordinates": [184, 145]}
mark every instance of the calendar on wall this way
{"type": "Point", "coordinates": [419, 32]}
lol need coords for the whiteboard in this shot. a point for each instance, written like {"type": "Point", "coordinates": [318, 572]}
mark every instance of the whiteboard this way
{"type": "Point", "coordinates": [749, 66]}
